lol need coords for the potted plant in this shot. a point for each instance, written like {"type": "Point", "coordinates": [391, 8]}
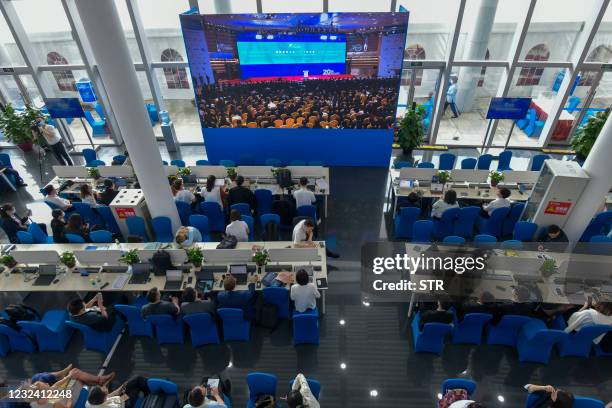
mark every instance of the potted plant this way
{"type": "Point", "coordinates": [444, 176]}
{"type": "Point", "coordinates": [93, 172]}
{"type": "Point", "coordinates": [411, 131]}
{"type": "Point", "coordinates": [261, 257]}
{"type": "Point", "coordinates": [496, 177]}
{"type": "Point", "coordinates": [183, 172]}
{"type": "Point", "coordinates": [8, 261]}
{"type": "Point", "coordinates": [195, 257]}
{"type": "Point", "coordinates": [68, 260]}
{"type": "Point", "coordinates": [17, 126]}
{"type": "Point", "coordinates": [585, 137]}
{"type": "Point", "coordinates": [548, 268]}
{"type": "Point", "coordinates": [130, 258]}
{"type": "Point", "coordinates": [232, 173]}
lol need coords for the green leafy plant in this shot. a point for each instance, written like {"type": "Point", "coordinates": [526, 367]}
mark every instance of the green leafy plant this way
{"type": "Point", "coordinates": [548, 268]}
{"type": "Point", "coordinates": [93, 172]}
{"type": "Point", "coordinates": [444, 176]}
{"type": "Point", "coordinates": [130, 257]}
{"type": "Point", "coordinates": [68, 259]}
{"type": "Point", "coordinates": [8, 261]}
{"type": "Point", "coordinates": [496, 177]}
{"type": "Point", "coordinates": [184, 171]}
{"type": "Point", "coordinates": [195, 256]}
{"type": "Point", "coordinates": [585, 137]}
{"type": "Point", "coordinates": [232, 173]}
{"type": "Point", "coordinates": [261, 257]}
{"type": "Point", "coordinates": [17, 126]}
{"type": "Point", "coordinates": [411, 131]}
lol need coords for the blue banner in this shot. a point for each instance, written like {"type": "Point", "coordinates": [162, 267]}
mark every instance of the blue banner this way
{"type": "Point", "coordinates": [64, 108]}
{"type": "Point", "coordinates": [86, 91]}
{"type": "Point", "coordinates": [508, 108]}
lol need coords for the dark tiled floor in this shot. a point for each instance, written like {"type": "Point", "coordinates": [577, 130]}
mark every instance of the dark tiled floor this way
{"type": "Point", "coordinates": [374, 343]}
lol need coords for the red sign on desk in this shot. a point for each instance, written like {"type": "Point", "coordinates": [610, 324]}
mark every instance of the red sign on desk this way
{"type": "Point", "coordinates": [557, 207]}
{"type": "Point", "coordinates": [123, 213]}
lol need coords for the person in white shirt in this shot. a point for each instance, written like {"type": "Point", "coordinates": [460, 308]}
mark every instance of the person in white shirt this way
{"type": "Point", "coordinates": [54, 140]}
{"type": "Point", "coordinates": [53, 198]}
{"type": "Point", "coordinates": [198, 398]}
{"type": "Point", "coordinates": [212, 192]}
{"type": "Point", "coordinates": [303, 233]}
{"type": "Point", "coordinates": [88, 196]}
{"type": "Point", "coordinates": [180, 194]}
{"type": "Point", "coordinates": [301, 395]}
{"type": "Point", "coordinates": [303, 293]}
{"type": "Point", "coordinates": [500, 202]}
{"type": "Point", "coordinates": [237, 227]}
{"type": "Point", "coordinates": [589, 315]}
{"type": "Point", "coordinates": [449, 201]}
{"type": "Point", "coordinates": [187, 236]}
{"type": "Point", "coordinates": [303, 196]}
{"type": "Point", "coordinates": [123, 397]}
{"type": "Point", "coordinates": [466, 404]}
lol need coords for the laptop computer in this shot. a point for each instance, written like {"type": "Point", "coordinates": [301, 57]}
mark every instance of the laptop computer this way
{"type": "Point", "coordinates": [240, 273]}
{"type": "Point", "coordinates": [174, 279]}
{"type": "Point", "coordinates": [46, 275]}
{"type": "Point", "coordinates": [140, 273]}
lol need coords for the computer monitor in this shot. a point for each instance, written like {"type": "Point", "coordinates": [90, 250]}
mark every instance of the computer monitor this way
{"type": "Point", "coordinates": [116, 171]}
{"type": "Point", "coordinates": [294, 255]}
{"type": "Point", "coordinates": [238, 269]}
{"type": "Point", "coordinates": [174, 275]}
{"type": "Point", "coordinates": [225, 256]}
{"type": "Point", "coordinates": [50, 270]}
{"type": "Point", "coordinates": [471, 176]}
{"type": "Point", "coordinates": [37, 257]}
{"type": "Point", "coordinates": [70, 171]}
{"type": "Point", "coordinates": [98, 257]}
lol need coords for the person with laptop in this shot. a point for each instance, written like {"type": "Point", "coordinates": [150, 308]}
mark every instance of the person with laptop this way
{"type": "Point", "coordinates": [52, 197]}
{"type": "Point", "coordinates": [553, 237]}
{"type": "Point", "coordinates": [304, 293]}
{"type": "Point", "coordinates": [109, 193]}
{"type": "Point", "coordinates": [204, 395]}
{"type": "Point", "coordinates": [501, 201]}
{"type": "Point", "coordinates": [157, 306]}
{"type": "Point", "coordinates": [239, 299]}
{"type": "Point", "coordinates": [237, 227]}
{"type": "Point", "coordinates": [303, 234]}
{"type": "Point", "coordinates": [13, 223]}
{"type": "Point", "coordinates": [240, 194]}
{"type": "Point", "coordinates": [93, 313]}
{"type": "Point", "coordinates": [303, 196]}
{"type": "Point", "coordinates": [443, 204]}
{"type": "Point", "coordinates": [192, 303]}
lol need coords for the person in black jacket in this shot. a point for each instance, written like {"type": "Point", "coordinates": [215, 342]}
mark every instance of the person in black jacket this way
{"type": "Point", "coordinates": [93, 313]}
{"type": "Point", "coordinates": [58, 223]}
{"type": "Point", "coordinates": [484, 304]}
{"type": "Point", "coordinates": [13, 223]}
{"type": "Point", "coordinates": [439, 315]}
{"type": "Point", "coordinates": [553, 239]}
{"type": "Point", "coordinates": [75, 226]}
{"type": "Point", "coordinates": [241, 194]}
{"type": "Point", "coordinates": [109, 193]}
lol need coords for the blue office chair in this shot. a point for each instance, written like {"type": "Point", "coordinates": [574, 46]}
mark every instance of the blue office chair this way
{"type": "Point", "coordinates": [101, 237]}
{"type": "Point", "coordinates": [251, 224]}
{"type": "Point", "coordinates": [504, 160]}
{"type": "Point", "coordinates": [600, 239]}
{"type": "Point", "coordinates": [98, 340]}
{"type": "Point", "coordinates": [273, 162]}
{"type": "Point", "coordinates": [216, 220]}
{"type": "Point", "coordinates": [178, 163]}
{"type": "Point", "coordinates": [447, 161]}
{"type": "Point", "coordinates": [203, 329]}
{"type": "Point", "coordinates": [314, 385]}
{"type": "Point", "coordinates": [469, 163]}
{"type": "Point", "coordinates": [484, 162]}
{"type": "Point", "coordinates": [459, 383]}
{"type": "Point", "coordinates": [25, 238]}
{"type": "Point", "coordinates": [465, 222]}
{"type": "Point", "coordinates": [96, 163]}
{"type": "Point", "coordinates": [469, 330]}
{"type": "Point", "coordinates": [493, 224]}
{"type": "Point", "coordinates": [453, 240]}
{"type": "Point", "coordinates": [184, 211]}
{"type": "Point", "coordinates": [524, 231]}
{"type": "Point", "coordinates": [201, 223]}
{"type": "Point", "coordinates": [119, 159]}
{"type": "Point", "coordinates": [5, 160]}
{"type": "Point", "coordinates": [159, 386]}
{"type": "Point", "coordinates": [512, 218]}
{"type": "Point", "coordinates": [534, 126]}
{"type": "Point", "coordinates": [82, 398]}
{"type": "Point", "coordinates": [18, 340]}
{"type": "Point", "coordinates": [51, 333]}
{"type": "Point", "coordinates": [202, 162]}
{"type": "Point", "coordinates": [305, 329]}
{"type": "Point", "coordinates": [97, 126]}
{"type": "Point", "coordinates": [431, 339]}
{"type": "Point", "coordinates": [535, 342]}
{"type": "Point", "coordinates": [599, 225]}
{"type": "Point", "coordinates": [404, 222]}
{"type": "Point", "coordinates": [264, 201]}
{"type": "Point", "coordinates": [136, 227]}
{"type": "Point", "coordinates": [162, 229]}
{"type": "Point", "coordinates": [227, 163]}
{"type": "Point", "coordinates": [165, 163]}
{"type": "Point", "coordinates": [89, 155]}
{"type": "Point", "coordinates": [109, 219]}
{"type": "Point", "coordinates": [297, 163]}
{"type": "Point", "coordinates": [87, 213]}
{"type": "Point", "coordinates": [445, 225]}
{"type": "Point", "coordinates": [74, 239]}
{"type": "Point", "coordinates": [235, 326]}
{"type": "Point", "coordinates": [5, 347]}
{"type": "Point", "coordinates": [168, 329]}
{"type": "Point", "coordinates": [425, 165]}
{"type": "Point", "coordinates": [137, 326]}
{"type": "Point", "coordinates": [511, 244]}
{"type": "Point", "coordinates": [260, 384]}
{"type": "Point", "coordinates": [484, 239]}
{"type": "Point", "coordinates": [39, 235]}
{"type": "Point", "coordinates": [402, 164]}
{"type": "Point", "coordinates": [522, 123]}
{"type": "Point", "coordinates": [584, 402]}
{"type": "Point", "coordinates": [506, 331]}
{"type": "Point", "coordinates": [579, 343]}
{"type": "Point", "coordinates": [280, 298]}
{"type": "Point", "coordinates": [266, 218]}
{"type": "Point", "coordinates": [537, 161]}
{"type": "Point", "coordinates": [307, 211]}
{"type": "Point", "coordinates": [242, 208]}
{"type": "Point", "coordinates": [422, 231]}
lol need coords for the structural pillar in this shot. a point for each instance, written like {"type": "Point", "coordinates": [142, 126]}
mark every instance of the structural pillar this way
{"type": "Point", "coordinates": [599, 167]}
{"type": "Point", "coordinates": [475, 49]}
{"type": "Point", "coordinates": [115, 65]}
{"type": "Point", "coordinates": [223, 7]}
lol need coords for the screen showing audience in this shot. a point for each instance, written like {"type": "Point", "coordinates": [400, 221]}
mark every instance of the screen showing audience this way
{"type": "Point", "coordinates": [317, 71]}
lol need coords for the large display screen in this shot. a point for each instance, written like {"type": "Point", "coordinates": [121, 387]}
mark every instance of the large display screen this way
{"type": "Point", "coordinates": [318, 71]}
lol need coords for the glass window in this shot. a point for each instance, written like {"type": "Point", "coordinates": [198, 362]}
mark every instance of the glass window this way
{"type": "Point", "coordinates": [416, 52]}
{"type": "Point", "coordinates": [350, 5]}
{"type": "Point", "coordinates": [48, 29]}
{"type": "Point", "coordinates": [11, 91]}
{"type": "Point", "coordinates": [126, 23]}
{"type": "Point", "coordinates": [63, 79]}
{"type": "Point", "coordinates": [9, 53]}
{"type": "Point", "coordinates": [530, 76]}
{"type": "Point", "coordinates": [284, 6]}
{"type": "Point", "coordinates": [176, 78]}
{"type": "Point", "coordinates": [160, 19]}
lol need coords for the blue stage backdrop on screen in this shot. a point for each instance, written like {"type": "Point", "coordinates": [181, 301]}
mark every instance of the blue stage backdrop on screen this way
{"type": "Point", "coordinates": [64, 108]}
{"type": "Point", "coordinates": [508, 108]}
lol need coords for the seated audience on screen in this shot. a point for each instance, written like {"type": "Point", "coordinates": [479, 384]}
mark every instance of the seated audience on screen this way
{"type": "Point", "coordinates": [202, 396]}
{"type": "Point", "coordinates": [192, 303]}
{"type": "Point", "coordinates": [501, 201]}
{"type": "Point", "coordinates": [157, 306]}
{"type": "Point", "coordinates": [439, 315]}
{"type": "Point", "coordinates": [303, 196]}
{"type": "Point", "coordinates": [9, 171]}
{"type": "Point", "coordinates": [212, 192]}
{"type": "Point", "coordinates": [109, 193]}
{"type": "Point", "coordinates": [237, 227]}
{"type": "Point", "coordinates": [304, 293]}
{"type": "Point", "coordinates": [125, 396]}
{"type": "Point", "coordinates": [52, 197]}
{"type": "Point", "coordinates": [589, 315]}
{"type": "Point", "coordinates": [76, 226]}
{"type": "Point", "coordinates": [240, 194]}
{"type": "Point", "coordinates": [12, 223]}
{"type": "Point", "coordinates": [443, 204]}
{"type": "Point", "coordinates": [187, 236]}
{"type": "Point", "coordinates": [93, 313]}
{"type": "Point", "coordinates": [550, 397]}
{"type": "Point", "coordinates": [51, 378]}
{"type": "Point", "coordinates": [239, 299]}
{"type": "Point", "coordinates": [87, 195]}
{"type": "Point", "coordinates": [301, 395]}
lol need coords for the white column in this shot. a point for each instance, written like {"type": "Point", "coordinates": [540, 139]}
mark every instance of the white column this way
{"type": "Point", "coordinates": [109, 46]}
{"type": "Point", "coordinates": [599, 167]}
{"type": "Point", "coordinates": [476, 49]}
{"type": "Point", "coordinates": [223, 7]}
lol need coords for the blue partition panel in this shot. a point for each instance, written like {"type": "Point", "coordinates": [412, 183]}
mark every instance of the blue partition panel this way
{"type": "Point", "coordinates": [334, 147]}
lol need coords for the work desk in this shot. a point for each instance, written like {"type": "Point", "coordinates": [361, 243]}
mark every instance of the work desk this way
{"type": "Point", "coordinates": [15, 281]}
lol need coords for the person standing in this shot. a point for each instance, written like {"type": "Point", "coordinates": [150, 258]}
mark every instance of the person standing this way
{"type": "Point", "coordinates": [54, 141]}
{"type": "Point", "coordinates": [451, 96]}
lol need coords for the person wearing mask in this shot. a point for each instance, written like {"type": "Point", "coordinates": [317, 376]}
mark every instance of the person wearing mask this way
{"type": "Point", "coordinates": [123, 397]}
{"type": "Point", "coordinates": [212, 192]}
{"type": "Point", "coordinates": [12, 222]}
{"type": "Point", "coordinates": [9, 171]}
{"type": "Point", "coordinates": [301, 395]}
{"type": "Point", "coordinates": [75, 226]}
{"type": "Point", "coordinates": [58, 223]}
{"type": "Point", "coordinates": [52, 197]}
{"type": "Point", "coordinates": [180, 194]}
{"type": "Point", "coordinates": [187, 236]}
{"type": "Point", "coordinates": [239, 299]}
{"type": "Point", "coordinates": [200, 397]}
{"type": "Point", "coordinates": [449, 201]}
{"type": "Point", "coordinates": [501, 201]}
{"type": "Point", "coordinates": [157, 306]}
{"type": "Point", "coordinates": [54, 140]}
{"type": "Point", "coordinates": [438, 315]}
{"type": "Point", "coordinates": [88, 196]}
{"type": "Point", "coordinates": [552, 238]}
{"type": "Point", "coordinates": [304, 293]}
{"type": "Point", "coordinates": [93, 313]}
{"type": "Point", "coordinates": [191, 303]}
{"type": "Point", "coordinates": [550, 397]}
{"type": "Point", "coordinates": [109, 193]}
{"type": "Point", "coordinates": [589, 315]}
{"type": "Point", "coordinates": [451, 97]}
{"type": "Point", "coordinates": [240, 194]}
{"type": "Point", "coordinates": [237, 227]}
{"type": "Point", "coordinates": [303, 196]}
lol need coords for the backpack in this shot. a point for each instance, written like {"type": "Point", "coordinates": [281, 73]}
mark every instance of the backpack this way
{"type": "Point", "coordinates": [265, 401]}
{"type": "Point", "coordinates": [21, 312]}
{"type": "Point", "coordinates": [283, 178]}
{"type": "Point", "coordinates": [228, 242]}
{"type": "Point", "coordinates": [161, 262]}
{"type": "Point", "coordinates": [268, 316]}
{"type": "Point", "coordinates": [271, 232]}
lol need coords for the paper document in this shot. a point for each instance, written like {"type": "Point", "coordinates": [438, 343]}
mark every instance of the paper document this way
{"type": "Point", "coordinates": [120, 281]}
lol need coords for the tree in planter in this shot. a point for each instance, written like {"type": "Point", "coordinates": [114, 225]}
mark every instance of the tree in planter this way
{"type": "Point", "coordinates": [496, 178]}
{"type": "Point", "coordinates": [8, 261]}
{"type": "Point", "coordinates": [444, 176]}
{"type": "Point", "coordinates": [231, 173]}
{"type": "Point", "coordinates": [130, 257]}
{"type": "Point", "coordinates": [93, 172]}
{"type": "Point", "coordinates": [585, 137]}
{"type": "Point", "coordinates": [68, 260]}
{"type": "Point", "coordinates": [411, 131]}
{"type": "Point", "coordinates": [183, 171]}
{"type": "Point", "coordinates": [195, 256]}
{"type": "Point", "coordinates": [261, 257]}
{"type": "Point", "coordinates": [17, 126]}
